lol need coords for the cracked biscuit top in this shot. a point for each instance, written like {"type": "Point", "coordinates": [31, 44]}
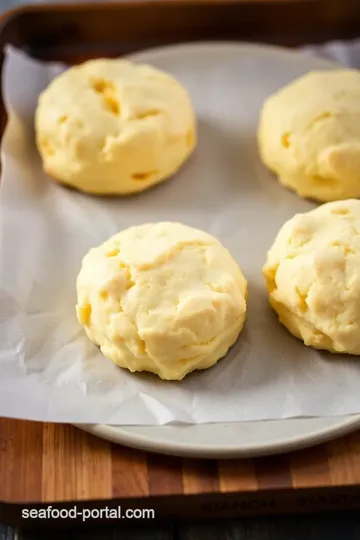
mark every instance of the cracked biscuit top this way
{"type": "Point", "coordinates": [313, 276]}
{"type": "Point", "coordinates": [309, 135]}
{"type": "Point", "coordinates": [162, 297]}
{"type": "Point", "coordinates": [114, 127]}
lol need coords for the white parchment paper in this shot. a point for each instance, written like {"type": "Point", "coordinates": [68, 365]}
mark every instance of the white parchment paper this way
{"type": "Point", "coordinates": [48, 369]}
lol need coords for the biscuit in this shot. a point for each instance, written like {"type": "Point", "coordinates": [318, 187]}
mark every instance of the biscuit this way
{"type": "Point", "coordinates": [309, 135]}
{"type": "Point", "coordinates": [112, 127]}
{"type": "Point", "coordinates": [313, 276]}
{"type": "Point", "coordinates": [162, 297]}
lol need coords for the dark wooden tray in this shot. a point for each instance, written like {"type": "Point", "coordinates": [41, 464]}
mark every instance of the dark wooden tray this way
{"type": "Point", "coordinates": [49, 463]}
{"type": "Point", "coordinates": [75, 32]}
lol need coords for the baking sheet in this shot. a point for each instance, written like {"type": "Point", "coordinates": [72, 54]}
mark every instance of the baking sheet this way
{"type": "Point", "coordinates": [48, 369]}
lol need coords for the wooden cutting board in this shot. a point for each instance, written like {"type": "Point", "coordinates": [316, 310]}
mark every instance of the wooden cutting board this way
{"type": "Point", "coordinates": [55, 463]}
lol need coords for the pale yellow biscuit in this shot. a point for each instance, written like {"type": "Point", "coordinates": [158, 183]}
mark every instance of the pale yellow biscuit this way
{"type": "Point", "coordinates": [309, 135]}
{"type": "Point", "coordinates": [313, 276]}
{"type": "Point", "coordinates": [114, 127]}
{"type": "Point", "coordinates": [163, 297]}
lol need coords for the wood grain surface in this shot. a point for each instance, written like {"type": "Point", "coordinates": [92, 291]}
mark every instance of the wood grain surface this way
{"type": "Point", "coordinates": [57, 463]}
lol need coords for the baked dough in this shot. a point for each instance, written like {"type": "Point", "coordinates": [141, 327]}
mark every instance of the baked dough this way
{"type": "Point", "coordinates": [309, 135]}
{"type": "Point", "coordinates": [114, 127]}
{"type": "Point", "coordinates": [162, 297]}
{"type": "Point", "coordinates": [313, 276]}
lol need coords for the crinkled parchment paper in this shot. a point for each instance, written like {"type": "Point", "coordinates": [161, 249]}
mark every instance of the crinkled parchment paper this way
{"type": "Point", "coordinates": [48, 369]}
